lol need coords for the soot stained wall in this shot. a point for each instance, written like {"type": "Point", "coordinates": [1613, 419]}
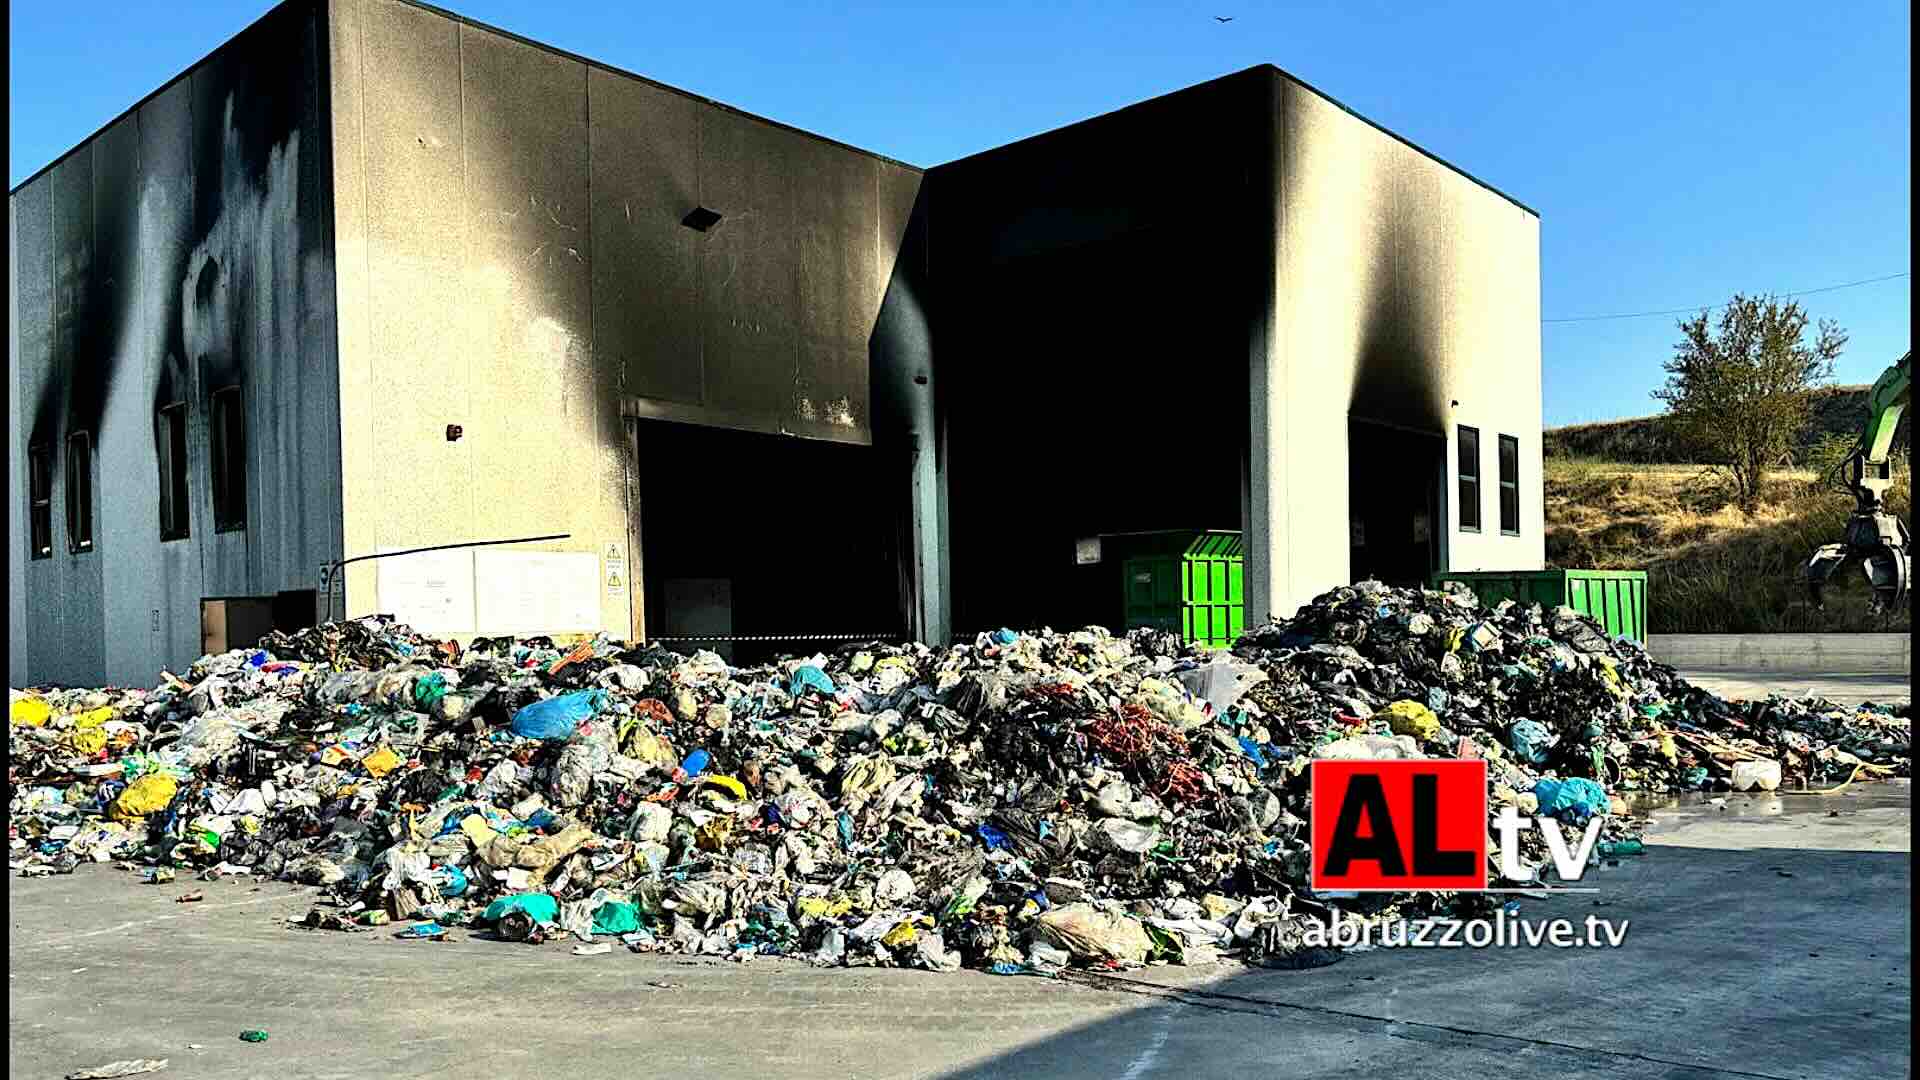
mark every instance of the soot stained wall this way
{"type": "Point", "coordinates": [513, 261]}
{"type": "Point", "coordinates": [183, 249]}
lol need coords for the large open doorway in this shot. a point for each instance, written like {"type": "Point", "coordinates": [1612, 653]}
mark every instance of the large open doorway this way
{"type": "Point", "coordinates": [759, 545]}
{"type": "Point", "coordinates": [1094, 394]}
{"type": "Point", "coordinates": [1394, 483]}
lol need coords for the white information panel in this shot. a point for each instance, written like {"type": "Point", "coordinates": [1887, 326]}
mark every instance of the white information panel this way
{"type": "Point", "coordinates": [431, 591]}
{"type": "Point", "coordinates": [536, 592]}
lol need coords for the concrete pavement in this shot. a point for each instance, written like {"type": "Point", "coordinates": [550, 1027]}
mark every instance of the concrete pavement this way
{"type": "Point", "coordinates": [1846, 689]}
{"type": "Point", "coordinates": [1743, 959]}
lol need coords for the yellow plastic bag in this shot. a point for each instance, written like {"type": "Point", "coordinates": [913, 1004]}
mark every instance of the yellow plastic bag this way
{"type": "Point", "coordinates": [148, 795]}
{"type": "Point", "coordinates": [93, 718]}
{"type": "Point", "coordinates": [382, 761]}
{"type": "Point", "coordinates": [903, 934]}
{"type": "Point", "coordinates": [1610, 672]}
{"type": "Point", "coordinates": [30, 712]}
{"type": "Point", "coordinates": [643, 745]}
{"type": "Point", "coordinates": [477, 831]}
{"type": "Point", "coordinates": [819, 907]}
{"type": "Point", "coordinates": [734, 787]}
{"type": "Point", "coordinates": [90, 740]}
{"type": "Point", "coordinates": [1412, 718]}
{"type": "Point", "coordinates": [865, 777]}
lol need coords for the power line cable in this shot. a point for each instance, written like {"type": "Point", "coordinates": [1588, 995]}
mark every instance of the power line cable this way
{"type": "Point", "coordinates": [1716, 307]}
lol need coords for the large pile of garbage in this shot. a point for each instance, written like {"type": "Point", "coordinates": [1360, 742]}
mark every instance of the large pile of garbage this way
{"type": "Point", "coordinates": [1020, 802]}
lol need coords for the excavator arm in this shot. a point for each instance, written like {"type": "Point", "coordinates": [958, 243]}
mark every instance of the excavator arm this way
{"type": "Point", "coordinates": [1873, 537]}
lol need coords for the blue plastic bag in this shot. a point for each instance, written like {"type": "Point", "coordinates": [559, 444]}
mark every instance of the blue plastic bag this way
{"type": "Point", "coordinates": [1004, 636]}
{"type": "Point", "coordinates": [557, 717]}
{"type": "Point", "coordinates": [1574, 801]}
{"type": "Point", "coordinates": [1252, 750]}
{"type": "Point", "coordinates": [1530, 741]}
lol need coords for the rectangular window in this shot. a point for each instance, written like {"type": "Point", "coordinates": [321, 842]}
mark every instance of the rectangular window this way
{"type": "Point", "coordinates": [1509, 486]}
{"type": "Point", "coordinates": [174, 519]}
{"type": "Point", "coordinates": [79, 492]}
{"type": "Point", "coordinates": [229, 423]}
{"type": "Point", "coordinates": [40, 500]}
{"type": "Point", "coordinates": [1469, 479]}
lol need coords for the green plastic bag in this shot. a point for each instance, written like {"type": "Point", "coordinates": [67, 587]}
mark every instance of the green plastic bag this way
{"type": "Point", "coordinates": [541, 906]}
{"type": "Point", "coordinates": [614, 917]}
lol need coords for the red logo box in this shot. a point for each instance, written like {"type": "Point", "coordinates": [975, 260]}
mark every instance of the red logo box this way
{"type": "Point", "coordinates": [1403, 826]}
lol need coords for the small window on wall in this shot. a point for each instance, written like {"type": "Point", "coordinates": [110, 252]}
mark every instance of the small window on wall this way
{"type": "Point", "coordinates": [1469, 479]}
{"type": "Point", "coordinates": [1509, 486]}
{"type": "Point", "coordinates": [229, 452]}
{"type": "Point", "coordinates": [175, 523]}
{"type": "Point", "coordinates": [40, 500]}
{"type": "Point", "coordinates": [79, 492]}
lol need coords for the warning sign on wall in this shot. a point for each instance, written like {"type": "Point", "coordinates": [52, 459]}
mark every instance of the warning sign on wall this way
{"type": "Point", "coordinates": [616, 571]}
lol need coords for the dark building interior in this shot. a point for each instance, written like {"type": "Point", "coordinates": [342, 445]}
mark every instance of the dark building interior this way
{"type": "Point", "coordinates": [1393, 502]}
{"type": "Point", "coordinates": [1090, 392]}
{"type": "Point", "coordinates": [747, 535]}
{"type": "Point", "coordinates": [1094, 305]}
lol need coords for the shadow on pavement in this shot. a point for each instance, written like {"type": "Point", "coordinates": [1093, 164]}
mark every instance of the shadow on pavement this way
{"type": "Point", "coordinates": [1746, 963]}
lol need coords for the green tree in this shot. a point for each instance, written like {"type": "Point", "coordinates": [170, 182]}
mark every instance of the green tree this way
{"type": "Point", "coordinates": [1739, 391]}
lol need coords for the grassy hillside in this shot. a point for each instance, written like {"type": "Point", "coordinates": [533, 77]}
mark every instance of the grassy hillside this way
{"type": "Point", "coordinates": [1837, 411]}
{"type": "Point", "coordinates": [1712, 568]}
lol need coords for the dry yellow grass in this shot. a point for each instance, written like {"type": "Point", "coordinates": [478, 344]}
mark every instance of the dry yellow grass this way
{"type": "Point", "coordinates": [1712, 566]}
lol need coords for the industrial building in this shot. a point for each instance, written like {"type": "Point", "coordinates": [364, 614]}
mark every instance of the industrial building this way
{"type": "Point", "coordinates": [373, 277]}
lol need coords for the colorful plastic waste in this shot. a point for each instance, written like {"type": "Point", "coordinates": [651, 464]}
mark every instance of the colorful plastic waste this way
{"type": "Point", "coordinates": [1016, 802]}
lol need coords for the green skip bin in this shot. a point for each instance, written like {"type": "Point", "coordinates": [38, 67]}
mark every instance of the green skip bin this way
{"type": "Point", "coordinates": [1190, 582]}
{"type": "Point", "coordinates": [1617, 599]}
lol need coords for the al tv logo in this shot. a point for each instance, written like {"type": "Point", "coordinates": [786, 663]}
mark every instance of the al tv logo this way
{"type": "Point", "coordinates": [1419, 826]}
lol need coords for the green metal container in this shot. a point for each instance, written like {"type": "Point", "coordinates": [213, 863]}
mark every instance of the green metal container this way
{"type": "Point", "coordinates": [1193, 583]}
{"type": "Point", "coordinates": [1616, 598]}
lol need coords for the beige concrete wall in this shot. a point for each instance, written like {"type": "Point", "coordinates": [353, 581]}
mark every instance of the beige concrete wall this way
{"type": "Point", "coordinates": [512, 260]}
{"type": "Point", "coordinates": [1839, 654]}
{"type": "Point", "coordinates": [1401, 287]}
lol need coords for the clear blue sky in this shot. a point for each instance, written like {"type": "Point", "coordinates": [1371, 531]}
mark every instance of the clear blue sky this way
{"type": "Point", "coordinates": [1676, 152]}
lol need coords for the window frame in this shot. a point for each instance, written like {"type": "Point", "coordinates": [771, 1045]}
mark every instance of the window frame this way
{"type": "Point", "coordinates": [176, 508]}
{"type": "Point", "coordinates": [227, 417]}
{"type": "Point", "coordinates": [1509, 483]}
{"type": "Point", "coordinates": [1469, 522]}
{"type": "Point", "coordinates": [40, 501]}
{"type": "Point", "coordinates": [79, 480]}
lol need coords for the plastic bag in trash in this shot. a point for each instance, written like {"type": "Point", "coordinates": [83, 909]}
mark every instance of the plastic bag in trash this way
{"type": "Point", "coordinates": [1412, 718]}
{"type": "Point", "coordinates": [542, 907]}
{"type": "Point", "coordinates": [148, 795]}
{"type": "Point", "coordinates": [1573, 801]}
{"type": "Point", "coordinates": [1092, 934]}
{"type": "Point", "coordinates": [1530, 740]}
{"type": "Point", "coordinates": [557, 717]}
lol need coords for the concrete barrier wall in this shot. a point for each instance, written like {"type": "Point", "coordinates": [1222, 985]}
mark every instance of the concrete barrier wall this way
{"type": "Point", "coordinates": [1849, 654]}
